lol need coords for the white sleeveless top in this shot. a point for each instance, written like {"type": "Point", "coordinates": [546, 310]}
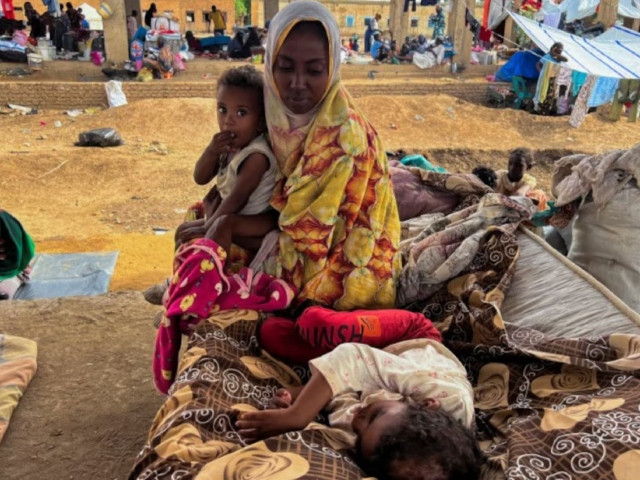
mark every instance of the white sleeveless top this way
{"type": "Point", "coordinates": [259, 201]}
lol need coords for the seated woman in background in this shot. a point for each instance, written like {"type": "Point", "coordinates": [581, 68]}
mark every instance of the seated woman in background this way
{"type": "Point", "coordinates": [164, 64]}
{"type": "Point", "coordinates": [554, 55]}
{"type": "Point", "coordinates": [432, 56]}
{"type": "Point", "coordinates": [515, 181]}
{"type": "Point", "coordinates": [16, 251]}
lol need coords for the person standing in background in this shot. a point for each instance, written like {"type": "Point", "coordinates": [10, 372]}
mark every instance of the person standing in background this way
{"type": "Point", "coordinates": [150, 14]}
{"type": "Point", "coordinates": [132, 24]}
{"type": "Point", "coordinates": [219, 25]}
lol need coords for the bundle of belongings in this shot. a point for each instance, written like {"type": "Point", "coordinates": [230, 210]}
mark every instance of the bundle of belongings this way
{"type": "Point", "coordinates": [600, 194]}
{"type": "Point", "coordinates": [544, 405]}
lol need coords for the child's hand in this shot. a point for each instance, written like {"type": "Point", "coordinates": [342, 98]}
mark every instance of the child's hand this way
{"type": "Point", "coordinates": [221, 142]}
{"type": "Point", "coordinates": [282, 399]}
{"type": "Point", "coordinates": [254, 426]}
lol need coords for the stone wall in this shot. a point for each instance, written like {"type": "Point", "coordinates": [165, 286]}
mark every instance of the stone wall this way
{"type": "Point", "coordinates": [69, 95]}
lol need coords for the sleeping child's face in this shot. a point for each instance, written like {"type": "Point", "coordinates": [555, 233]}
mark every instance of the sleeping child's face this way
{"type": "Point", "coordinates": [241, 112]}
{"type": "Point", "coordinates": [372, 421]}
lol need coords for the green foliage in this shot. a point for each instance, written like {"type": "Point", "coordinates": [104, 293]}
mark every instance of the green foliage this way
{"type": "Point", "coordinates": [243, 7]}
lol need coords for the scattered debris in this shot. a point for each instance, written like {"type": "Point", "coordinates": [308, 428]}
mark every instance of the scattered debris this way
{"type": "Point", "coordinates": [22, 110]}
{"type": "Point", "coordinates": [159, 230]}
{"type": "Point", "coordinates": [419, 118]}
{"type": "Point", "coordinates": [158, 147]}
{"type": "Point", "coordinates": [74, 113]}
{"type": "Point", "coordinates": [42, 137]}
{"type": "Point", "coordinates": [52, 170]}
{"type": "Point", "coordinates": [393, 126]}
{"type": "Point", "coordinates": [115, 94]}
{"type": "Point", "coordinates": [100, 137]}
{"type": "Point", "coordinates": [57, 124]}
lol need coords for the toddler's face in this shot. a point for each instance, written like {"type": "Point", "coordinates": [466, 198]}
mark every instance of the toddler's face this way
{"type": "Point", "coordinates": [240, 111]}
{"type": "Point", "coordinates": [372, 421]}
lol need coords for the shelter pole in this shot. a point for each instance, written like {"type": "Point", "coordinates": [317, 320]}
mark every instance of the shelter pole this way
{"type": "Point", "coordinates": [632, 23]}
{"type": "Point", "coordinates": [510, 25]}
{"type": "Point", "coordinates": [115, 33]}
{"type": "Point", "coordinates": [457, 18]}
{"type": "Point", "coordinates": [399, 23]}
{"type": "Point", "coordinates": [608, 12]}
{"type": "Point", "coordinates": [467, 39]}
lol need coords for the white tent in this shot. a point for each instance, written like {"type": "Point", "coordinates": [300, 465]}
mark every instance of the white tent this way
{"type": "Point", "coordinates": [92, 16]}
{"type": "Point", "coordinates": [614, 54]}
{"type": "Point", "coordinates": [579, 9]}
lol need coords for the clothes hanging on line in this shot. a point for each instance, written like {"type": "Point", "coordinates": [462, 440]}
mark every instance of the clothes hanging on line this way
{"type": "Point", "coordinates": [580, 108]}
{"type": "Point", "coordinates": [603, 91]}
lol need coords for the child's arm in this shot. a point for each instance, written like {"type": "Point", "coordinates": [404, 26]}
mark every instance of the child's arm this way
{"type": "Point", "coordinates": [253, 426]}
{"type": "Point", "coordinates": [249, 176]}
{"type": "Point", "coordinates": [209, 162]}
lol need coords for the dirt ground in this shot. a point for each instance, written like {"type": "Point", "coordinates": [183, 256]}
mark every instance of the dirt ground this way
{"type": "Point", "coordinates": [86, 413]}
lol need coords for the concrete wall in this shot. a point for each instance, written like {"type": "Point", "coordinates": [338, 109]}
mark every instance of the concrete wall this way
{"type": "Point", "coordinates": [358, 9]}
{"type": "Point", "coordinates": [67, 95]}
{"type": "Point", "coordinates": [115, 33]}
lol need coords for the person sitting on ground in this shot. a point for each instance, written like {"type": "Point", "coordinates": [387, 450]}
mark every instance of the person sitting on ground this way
{"type": "Point", "coordinates": [16, 251]}
{"type": "Point", "coordinates": [164, 64]}
{"type": "Point", "coordinates": [355, 46]}
{"type": "Point", "coordinates": [486, 175]}
{"type": "Point", "coordinates": [407, 410]}
{"type": "Point", "coordinates": [422, 45]}
{"type": "Point", "coordinates": [376, 46]}
{"type": "Point", "coordinates": [515, 180]}
{"type": "Point", "coordinates": [554, 55]}
{"type": "Point", "coordinates": [433, 55]}
{"type": "Point", "coordinates": [406, 47]}
{"type": "Point", "coordinates": [239, 48]}
{"type": "Point", "coordinates": [193, 42]}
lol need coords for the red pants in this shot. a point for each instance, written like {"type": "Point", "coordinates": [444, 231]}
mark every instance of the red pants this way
{"type": "Point", "coordinates": [319, 330]}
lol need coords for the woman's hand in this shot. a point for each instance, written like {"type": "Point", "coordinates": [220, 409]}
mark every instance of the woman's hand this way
{"type": "Point", "coordinates": [190, 230]}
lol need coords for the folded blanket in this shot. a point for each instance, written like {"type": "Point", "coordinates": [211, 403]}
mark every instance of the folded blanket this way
{"type": "Point", "coordinates": [17, 368]}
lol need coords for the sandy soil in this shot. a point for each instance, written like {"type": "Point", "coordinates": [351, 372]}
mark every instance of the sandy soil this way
{"type": "Point", "coordinates": [86, 413]}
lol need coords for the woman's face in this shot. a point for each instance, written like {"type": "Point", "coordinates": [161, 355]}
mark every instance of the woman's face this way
{"type": "Point", "coordinates": [301, 70]}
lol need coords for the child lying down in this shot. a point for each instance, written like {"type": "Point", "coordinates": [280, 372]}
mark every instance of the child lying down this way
{"type": "Point", "coordinates": [406, 410]}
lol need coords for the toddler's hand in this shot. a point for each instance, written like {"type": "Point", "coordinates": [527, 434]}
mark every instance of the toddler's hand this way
{"type": "Point", "coordinates": [282, 399]}
{"type": "Point", "coordinates": [221, 142]}
{"type": "Point", "coordinates": [254, 426]}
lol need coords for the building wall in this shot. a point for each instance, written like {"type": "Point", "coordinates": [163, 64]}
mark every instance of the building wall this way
{"type": "Point", "coordinates": [177, 9]}
{"type": "Point", "coordinates": [351, 15]}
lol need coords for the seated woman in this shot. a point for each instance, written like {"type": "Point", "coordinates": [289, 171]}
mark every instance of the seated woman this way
{"type": "Point", "coordinates": [432, 56]}
{"type": "Point", "coordinates": [164, 64]}
{"type": "Point", "coordinates": [338, 214]}
{"type": "Point", "coordinates": [516, 182]}
{"type": "Point", "coordinates": [16, 251]}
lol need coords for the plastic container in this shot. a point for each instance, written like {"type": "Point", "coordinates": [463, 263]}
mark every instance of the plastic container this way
{"type": "Point", "coordinates": [47, 53]}
{"type": "Point", "coordinates": [44, 42]}
{"type": "Point", "coordinates": [35, 61]}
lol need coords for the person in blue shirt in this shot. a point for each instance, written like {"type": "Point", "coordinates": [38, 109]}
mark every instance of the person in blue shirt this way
{"type": "Point", "coordinates": [53, 7]}
{"type": "Point", "coordinates": [375, 46]}
{"type": "Point", "coordinates": [554, 55]}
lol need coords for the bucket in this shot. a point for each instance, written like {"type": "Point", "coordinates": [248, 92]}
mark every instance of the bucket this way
{"type": "Point", "coordinates": [47, 53]}
{"type": "Point", "coordinates": [35, 61]}
{"type": "Point", "coordinates": [105, 10]}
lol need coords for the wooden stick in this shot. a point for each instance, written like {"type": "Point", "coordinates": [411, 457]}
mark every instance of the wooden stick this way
{"type": "Point", "coordinates": [52, 170]}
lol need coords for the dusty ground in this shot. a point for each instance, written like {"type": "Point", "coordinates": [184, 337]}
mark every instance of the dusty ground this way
{"type": "Point", "coordinates": [86, 413]}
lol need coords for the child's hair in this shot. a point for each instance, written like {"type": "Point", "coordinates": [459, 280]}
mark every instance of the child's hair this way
{"type": "Point", "coordinates": [427, 444]}
{"type": "Point", "coordinates": [243, 77]}
{"type": "Point", "coordinates": [525, 154]}
{"type": "Point", "coordinates": [487, 175]}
